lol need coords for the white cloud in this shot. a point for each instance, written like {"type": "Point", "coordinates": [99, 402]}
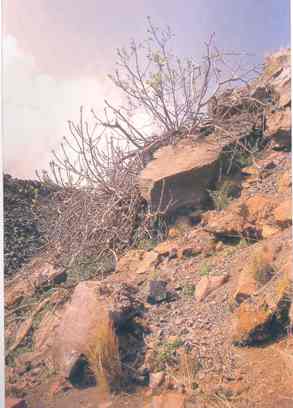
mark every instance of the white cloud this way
{"type": "Point", "coordinates": [36, 108]}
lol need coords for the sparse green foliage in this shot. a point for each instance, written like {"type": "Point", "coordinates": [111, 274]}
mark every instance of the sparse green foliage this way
{"type": "Point", "coordinates": [260, 269]}
{"type": "Point", "coordinates": [243, 159]}
{"type": "Point", "coordinates": [223, 195]}
{"type": "Point", "coordinates": [166, 353]}
{"type": "Point", "coordinates": [243, 243]}
{"type": "Point", "coordinates": [147, 244]}
{"type": "Point", "coordinates": [204, 269]}
{"type": "Point", "coordinates": [188, 290]}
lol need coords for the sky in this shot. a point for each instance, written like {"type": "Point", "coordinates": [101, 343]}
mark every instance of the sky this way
{"type": "Point", "coordinates": [57, 54]}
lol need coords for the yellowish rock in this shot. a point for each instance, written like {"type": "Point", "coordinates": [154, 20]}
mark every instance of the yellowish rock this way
{"type": "Point", "coordinates": [174, 233]}
{"type": "Point", "coordinates": [283, 213]}
{"type": "Point", "coordinates": [250, 320]}
{"type": "Point", "coordinates": [285, 182]}
{"type": "Point", "coordinates": [269, 230]}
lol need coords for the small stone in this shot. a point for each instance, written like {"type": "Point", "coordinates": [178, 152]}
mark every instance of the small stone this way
{"type": "Point", "coordinates": [156, 379]}
{"type": "Point", "coordinates": [189, 252]}
{"type": "Point", "coordinates": [173, 233]}
{"type": "Point", "coordinates": [208, 284]}
{"type": "Point", "coordinates": [269, 230]}
{"type": "Point", "coordinates": [173, 254]}
{"type": "Point", "coordinates": [220, 245]}
{"type": "Point", "coordinates": [157, 291]}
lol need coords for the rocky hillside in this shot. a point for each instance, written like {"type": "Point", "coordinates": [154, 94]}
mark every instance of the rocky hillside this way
{"type": "Point", "coordinates": [22, 233]}
{"type": "Point", "coordinates": [201, 320]}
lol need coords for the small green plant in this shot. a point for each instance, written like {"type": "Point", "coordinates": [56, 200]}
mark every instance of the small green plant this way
{"type": "Point", "coordinates": [188, 290]}
{"type": "Point", "coordinates": [204, 269]}
{"type": "Point", "coordinates": [260, 269]}
{"type": "Point", "coordinates": [167, 353]}
{"type": "Point", "coordinates": [222, 197]}
{"type": "Point", "coordinates": [90, 267]}
{"type": "Point", "coordinates": [243, 243]}
{"type": "Point", "coordinates": [243, 159]}
{"type": "Point", "coordinates": [147, 244]}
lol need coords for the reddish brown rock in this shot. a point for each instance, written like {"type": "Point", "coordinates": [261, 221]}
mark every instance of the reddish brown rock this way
{"type": "Point", "coordinates": [285, 182]}
{"type": "Point", "coordinates": [44, 336]}
{"type": "Point", "coordinates": [168, 400]}
{"type": "Point", "coordinates": [137, 261]}
{"type": "Point", "coordinates": [230, 221]}
{"type": "Point", "coordinates": [93, 308]}
{"type": "Point", "coordinates": [257, 271]}
{"type": "Point", "coordinates": [15, 403]}
{"type": "Point", "coordinates": [76, 329]}
{"type": "Point", "coordinates": [199, 242]}
{"type": "Point", "coordinates": [156, 379]}
{"type": "Point", "coordinates": [283, 213]}
{"type": "Point", "coordinates": [268, 230]}
{"type": "Point", "coordinates": [174, 179]}
{"type": "Point", "coordinates": [208, 284]}
{"type": "Point", "coordinates": [251, 321]}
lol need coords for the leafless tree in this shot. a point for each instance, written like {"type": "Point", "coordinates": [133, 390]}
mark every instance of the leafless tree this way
{"type": "Point", "coordinates": [173, 92]}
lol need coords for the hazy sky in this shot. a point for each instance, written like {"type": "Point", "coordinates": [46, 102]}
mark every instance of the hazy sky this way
{"type": "Point", "coordinates": [57, 54]}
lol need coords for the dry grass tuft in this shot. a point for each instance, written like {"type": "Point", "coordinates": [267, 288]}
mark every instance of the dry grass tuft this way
{"type": "Point", "coordinates": [260, 269]}
{"type": "Point", "coordinates": [187, 370]}
{"type": "Point", "coordinates": [103, 357]}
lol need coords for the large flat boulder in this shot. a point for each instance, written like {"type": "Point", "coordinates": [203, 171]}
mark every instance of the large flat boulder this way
{"type": "Point", "coordinates": [179, 175]}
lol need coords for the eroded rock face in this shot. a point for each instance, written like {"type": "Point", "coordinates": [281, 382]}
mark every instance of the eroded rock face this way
{"type": "Point", "coordinates": [278, 74]}
{"type": "Point", "coordinates": [279, 128]}
{"type": "Point", "coordinates": [37, 274]}
{"type": "Point", "coordinates": [265, 313]}
{"type": "Point", "coordinates": [258, 270]}
{"type": "Point", "coordinates": [258, 216]}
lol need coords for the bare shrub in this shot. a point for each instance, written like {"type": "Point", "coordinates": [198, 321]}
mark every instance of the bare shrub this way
{"type": "Point", "coordinates": [99, 211]}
